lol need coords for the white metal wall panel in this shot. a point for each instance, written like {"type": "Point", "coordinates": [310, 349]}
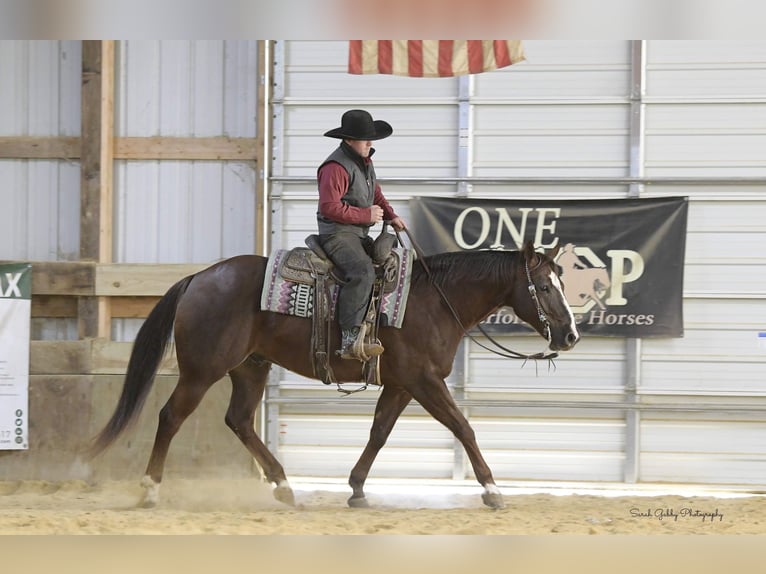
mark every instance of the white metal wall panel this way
{"type": "Point", "coordinates": [703, 451]}
{"type": "Point", "coordinates": [39, 96]}
{"type": "Point", "coordinates": [559, 139]}
{"type": "Point", "coordinates": [581, 375]}
{"type": "Point", "coordinates": [185, 211]}
{"type": "Point", "coordinates": [708, 109]}
{"type": "Point", "coordinates": [595, 71]}
{"type": "Point", "coordinates": [40, 199]}
{"type": "Point", "coordinates": [542, 448]}
{"type": "Point", "coordinates": [706, 117]}
{"type": "Point", "coordinates": [321, 446]}
{"type": "Point", "coordinates": [707, 70]}
{"type": "Point", "coordinates": [562, 112]}
{"type": "Point", "coordinates": [566, 112]}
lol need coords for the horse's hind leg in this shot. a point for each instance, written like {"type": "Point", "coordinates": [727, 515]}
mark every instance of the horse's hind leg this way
{"type": "Point", "coordinates": [248, 384]}
{"type": "Point", "coordinates": [182, 402]}
{"type": "Point", "coordinates": [391, 403]}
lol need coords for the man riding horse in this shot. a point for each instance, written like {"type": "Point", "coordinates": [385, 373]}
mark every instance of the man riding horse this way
{"type": "Point", "coordinates": [350, 202]}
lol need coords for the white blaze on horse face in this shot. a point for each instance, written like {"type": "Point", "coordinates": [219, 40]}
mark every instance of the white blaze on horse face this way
{"type": "Point", "coordinates": [560, 288]}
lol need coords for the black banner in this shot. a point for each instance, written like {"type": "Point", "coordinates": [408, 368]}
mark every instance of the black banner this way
{"type": "Point", "coordinates": [622, 259]}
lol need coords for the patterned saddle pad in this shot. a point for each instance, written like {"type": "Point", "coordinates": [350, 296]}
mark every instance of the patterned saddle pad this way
{"type": "Point", "coordinates": [289, 285]}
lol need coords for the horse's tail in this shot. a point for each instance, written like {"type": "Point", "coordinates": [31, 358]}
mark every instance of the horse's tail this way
{"type": "Point", "coordinates": [148, 350]}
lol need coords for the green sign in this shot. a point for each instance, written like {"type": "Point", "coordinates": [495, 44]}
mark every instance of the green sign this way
{"type": "Point", "coordinates": [15, 313]}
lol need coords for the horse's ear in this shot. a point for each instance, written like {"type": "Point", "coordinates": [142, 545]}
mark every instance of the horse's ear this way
{"type": "Point", "coordinates": [553, 251]}
{"type": "Point", "coordinates": [530, 255]}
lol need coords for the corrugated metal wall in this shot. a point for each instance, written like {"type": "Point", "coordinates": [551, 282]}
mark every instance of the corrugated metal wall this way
{"type": "Point", "coordinates": [175, 211]}
{"type": "Point", "coordinates": [39, 199]}
{"type": "Point", "coordinates": [706, 117]}
{"type": "Point", "coordinates": [185, 211]}
{"type": "Point", "coordinates": [657, 410]}
{"type": "Point", "coordinates": [164, 211]}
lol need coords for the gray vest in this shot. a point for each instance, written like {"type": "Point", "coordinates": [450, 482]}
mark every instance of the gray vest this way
{"type": "Point", "coordinates": [360, 193]}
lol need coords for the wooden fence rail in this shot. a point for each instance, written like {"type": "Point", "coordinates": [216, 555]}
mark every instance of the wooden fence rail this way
{"type": "Point", "coordinates": [132, 291]}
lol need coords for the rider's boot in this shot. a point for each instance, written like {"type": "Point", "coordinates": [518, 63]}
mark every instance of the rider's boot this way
{"type": "Point", "coordinates": [353, 345]}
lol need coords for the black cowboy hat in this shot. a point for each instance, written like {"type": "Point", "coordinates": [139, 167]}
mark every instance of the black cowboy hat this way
{"type": "Point", "coordinates": [359, 125]}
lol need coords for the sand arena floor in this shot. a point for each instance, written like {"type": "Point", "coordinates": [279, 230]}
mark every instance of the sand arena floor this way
{"type": "Point", "coordinates": [223, 506]}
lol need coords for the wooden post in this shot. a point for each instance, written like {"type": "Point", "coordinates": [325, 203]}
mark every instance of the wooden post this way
{"type": "Point", "coordinates": [96, 168]}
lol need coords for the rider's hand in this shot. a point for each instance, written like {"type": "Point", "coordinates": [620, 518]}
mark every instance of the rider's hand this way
{"type": "Point", "coordinates": [398, 224]}
{"type": "Point", "coordinates": [376, 214]}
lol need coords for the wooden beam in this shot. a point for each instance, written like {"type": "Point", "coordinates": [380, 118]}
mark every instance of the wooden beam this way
{"type": "Point", "coordinates": [54, 306]}
{"type": "Point", "coordinates": [137, 148]}
{"type": "Point", "coordinates": [63, 278]}
{"type": "Point", "coordinates": [189, 148]}
{"type": "Point", "coordinates": [111, 358]}
{"type": "Point", "coordinates": [87, 357]}
{"type": "Point", "coordinates": [131, 280]}
{"type": "Point", "coordinates": [59, 357]}
{"type": "Point", "coordinates": [133, 307]}
{"type": "Point", "coordinates": [65, 307]}
{"type": "Point", "coordinates": [86, 278]}
{"type": "Point", "coordinates": [23, 147]}
{"type": "Point", "coordinates": [96, 151]}
{"type": "Point", "coordinates": [96, 165]}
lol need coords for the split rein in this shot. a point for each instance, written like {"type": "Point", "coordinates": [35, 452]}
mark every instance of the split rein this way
{"type": "Point", "coordinates": [500, 349]}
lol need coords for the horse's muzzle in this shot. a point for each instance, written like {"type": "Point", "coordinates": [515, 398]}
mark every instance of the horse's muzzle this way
{"type": "Point", "coordinates": [568, 341]}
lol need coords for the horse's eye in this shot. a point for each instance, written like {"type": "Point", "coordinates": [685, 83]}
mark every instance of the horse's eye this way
{"type": "Point", "coordinates": [545, 288]}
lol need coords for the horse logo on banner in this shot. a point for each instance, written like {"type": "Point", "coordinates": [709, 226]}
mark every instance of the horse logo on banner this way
{"type": "Point", "coordinates": [587, 283]}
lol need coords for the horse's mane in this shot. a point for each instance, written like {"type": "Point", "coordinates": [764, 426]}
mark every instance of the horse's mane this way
{"type": "Point", "coordinates": [459, 266]}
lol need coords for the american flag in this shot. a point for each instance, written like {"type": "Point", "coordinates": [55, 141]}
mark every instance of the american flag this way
{"type": "Point", "coordinates": [431, 58]}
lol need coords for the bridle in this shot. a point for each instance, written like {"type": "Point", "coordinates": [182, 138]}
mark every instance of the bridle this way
{"type": "Point", "coordinates": [540, 312]}
{"type": "Point", "coordinates": [500, 349]}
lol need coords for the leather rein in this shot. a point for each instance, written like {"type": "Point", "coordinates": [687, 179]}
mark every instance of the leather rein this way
{"type": "Point", "coordinates": [500, 349]}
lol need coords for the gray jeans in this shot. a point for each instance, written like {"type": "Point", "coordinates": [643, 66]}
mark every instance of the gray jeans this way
{"type": "Point", "coordinates": [350, 253]}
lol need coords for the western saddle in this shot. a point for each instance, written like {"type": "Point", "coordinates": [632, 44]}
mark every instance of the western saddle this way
{"type": "Point", "coordinates": [311, 266]}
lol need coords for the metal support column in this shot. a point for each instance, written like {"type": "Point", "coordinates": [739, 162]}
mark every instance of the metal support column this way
{"type": "Point", "coordinates": [275, 147]}
{"type": "Point", "coordinates": [459, 373]}
{"type": "Point", "coordinates": [631, 468]}
{"type": "Point", "coordinates": [465, 134]}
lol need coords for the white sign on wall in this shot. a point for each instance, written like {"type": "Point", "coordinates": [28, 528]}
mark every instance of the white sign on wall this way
{"type": "Point", "coordinates": [15, 314]}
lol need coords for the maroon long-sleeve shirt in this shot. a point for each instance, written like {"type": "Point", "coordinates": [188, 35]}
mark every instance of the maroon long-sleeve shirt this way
{"type": "Point", "coordinates": [333, 184]}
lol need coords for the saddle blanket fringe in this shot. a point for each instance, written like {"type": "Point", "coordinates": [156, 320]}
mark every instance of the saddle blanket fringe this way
{"type": "Point", "coordinates": [287, 297]}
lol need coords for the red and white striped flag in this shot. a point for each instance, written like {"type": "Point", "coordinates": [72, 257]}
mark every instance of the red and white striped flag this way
{"type": "Point", "coordinates": [431, 58]}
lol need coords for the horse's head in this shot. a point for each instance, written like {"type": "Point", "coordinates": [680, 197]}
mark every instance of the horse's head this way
{"type": "Point", "coordinates": [538, 299]}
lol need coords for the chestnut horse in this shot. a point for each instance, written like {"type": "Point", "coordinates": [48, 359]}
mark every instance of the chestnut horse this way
{"type": "Point", "coordinates": [219, 329]}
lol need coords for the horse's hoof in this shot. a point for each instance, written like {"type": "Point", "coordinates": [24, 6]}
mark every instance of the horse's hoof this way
{"type": "Point", "coordinates": [147, 503]}
{"type": "Point", "coordinates": [358, 502]}
{"type": "Point", "coordinates": [285, 495]}
{"type": "Point", "coordinates": [493, 500]}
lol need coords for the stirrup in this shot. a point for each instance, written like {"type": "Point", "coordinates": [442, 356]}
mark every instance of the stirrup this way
{"type": "Point", "coordinates": [366, 350]}
{"type": "Point", "coordinates": [361, 350]}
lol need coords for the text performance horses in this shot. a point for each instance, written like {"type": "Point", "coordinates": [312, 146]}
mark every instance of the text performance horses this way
{"type": "Point", "coordinates": [219, 329]}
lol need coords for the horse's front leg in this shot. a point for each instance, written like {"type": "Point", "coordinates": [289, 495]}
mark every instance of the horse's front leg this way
{"type": "Point", "coordinates": [391, 403]}
{"type": "Point", "coordinates": [435, 398]}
